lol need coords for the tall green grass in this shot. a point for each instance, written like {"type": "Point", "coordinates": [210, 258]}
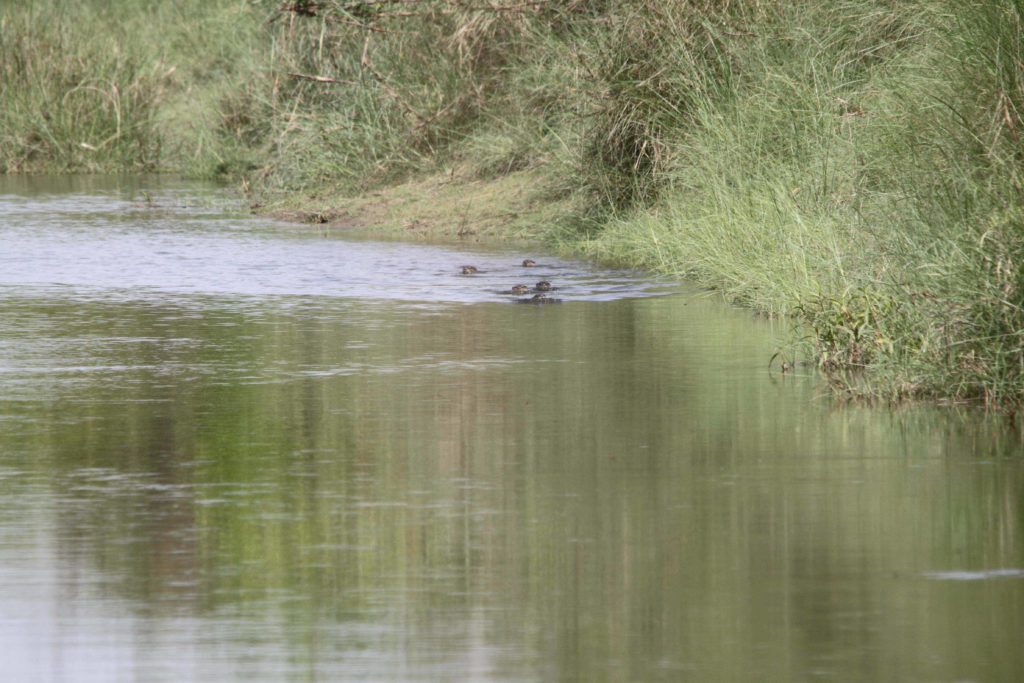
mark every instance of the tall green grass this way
{"type": "Point", "coordinates": [368, 92]}
{"type": "Point", "coordinates": [66, 104]}
{"type": "Point", "coordinates": [862, 174]}
{"type": "Point", "coordinates": [110, 86]}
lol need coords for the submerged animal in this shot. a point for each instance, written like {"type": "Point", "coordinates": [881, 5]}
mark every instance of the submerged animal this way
{"type": "Point", "coordinates": [543, 286]}
{"type": "Point", "coordinates": [540, 299]}
{"type": "Point", "coordinates": [469, 270]}
{"type": "Point", "coordinates": [529, 263]}
{"type": "Point", "coordinates": [519, 289]}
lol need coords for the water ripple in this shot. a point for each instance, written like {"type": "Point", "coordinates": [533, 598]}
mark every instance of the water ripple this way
{"type": "Point", "coordinates": [94, 246]}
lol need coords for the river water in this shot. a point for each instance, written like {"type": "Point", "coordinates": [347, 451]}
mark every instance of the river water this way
{"type": "Point", "coordinates": [237, 449]}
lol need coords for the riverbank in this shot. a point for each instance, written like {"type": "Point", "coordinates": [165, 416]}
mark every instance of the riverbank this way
{"type": "Point", "coordinates": [443, 207]}
{"type": "Point", "coordinates": [854, 165]}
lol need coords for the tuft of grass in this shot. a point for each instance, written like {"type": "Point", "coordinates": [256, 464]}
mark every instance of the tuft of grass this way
{"type": "Point", "coordinates": [129, 85]}
{"type": "Point", "coordinates": [71, 102]}
{"type": "Point", "coordinates": [649, 67]}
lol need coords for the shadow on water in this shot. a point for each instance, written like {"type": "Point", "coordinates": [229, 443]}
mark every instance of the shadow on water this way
{"type": "Point", "coordinates": [212, 470]}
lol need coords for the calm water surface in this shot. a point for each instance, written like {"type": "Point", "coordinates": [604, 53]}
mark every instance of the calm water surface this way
{"type": "Point", "coordinates": [234, 449]}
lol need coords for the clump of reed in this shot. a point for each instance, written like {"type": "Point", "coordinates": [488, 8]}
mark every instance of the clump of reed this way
{"type": "Point", "coordinates": [365, 92]}
{"type": "Point", "coordinates": [862, 174]}
{"type": "Point", "coordinates": [648, 67]}
{"type": "Point", "coordinates": [130, 85]}
{"type": "Point", "coordinates": [72, 97]}
{"type": "Point", "coordinates": [954, 319]}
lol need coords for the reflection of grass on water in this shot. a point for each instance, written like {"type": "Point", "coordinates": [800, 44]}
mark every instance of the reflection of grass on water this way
{"type": "Point", "coordinates": [853, 163]}
{"type": "Point", "coordinates": [618, 499]}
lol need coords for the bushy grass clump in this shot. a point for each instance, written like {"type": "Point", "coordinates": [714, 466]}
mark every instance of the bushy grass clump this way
{"type": "Point", "coordinates": [70, 103]}
{"type": "Point", "coordinates": [862, 175]}
{"type": "Point", "coordinates": [368, 93]}
{"type": "Point", "coordinates": [113, 86]}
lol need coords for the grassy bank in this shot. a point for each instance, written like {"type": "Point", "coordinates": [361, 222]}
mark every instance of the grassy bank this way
{"type": "Point", "coordinates": [853, 164]}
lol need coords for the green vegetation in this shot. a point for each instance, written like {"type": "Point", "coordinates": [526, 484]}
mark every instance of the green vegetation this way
{"type": "Point", "coordinates": [855, 164]}
{"type": "Point", "coordinates": [128, 85]}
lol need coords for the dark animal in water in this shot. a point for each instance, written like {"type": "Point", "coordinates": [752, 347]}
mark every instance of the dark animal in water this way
{"type": "Point", "coordinates": [540, 299]}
